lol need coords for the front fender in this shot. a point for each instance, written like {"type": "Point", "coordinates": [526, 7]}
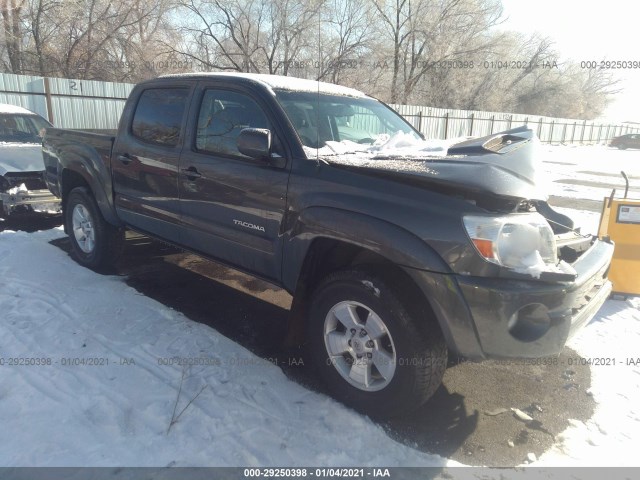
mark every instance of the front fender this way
{"type": "Point", "coordinates": [379, 236]}
{"type": "Point", "coordinates": [423, 264]}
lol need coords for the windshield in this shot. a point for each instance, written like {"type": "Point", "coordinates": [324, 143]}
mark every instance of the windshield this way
{"type": "Point", "coordinates": [319, 119]}
{"type": "Point", "coordinates": [17, 128]}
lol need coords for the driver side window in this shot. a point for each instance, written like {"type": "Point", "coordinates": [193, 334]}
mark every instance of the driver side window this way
{"type": "Point", "coordinates": [223, 115]}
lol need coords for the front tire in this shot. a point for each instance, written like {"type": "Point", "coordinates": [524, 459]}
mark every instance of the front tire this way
{"type": "Point", "coordinates": [96, 244]}
{"type": "Point", "coordinates": [372, 352]}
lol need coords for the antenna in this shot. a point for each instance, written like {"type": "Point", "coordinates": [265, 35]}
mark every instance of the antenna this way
{"type": "Point", "coordinates": [318, 80]}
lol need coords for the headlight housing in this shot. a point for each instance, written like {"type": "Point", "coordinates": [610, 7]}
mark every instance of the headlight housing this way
{"type": "Point", "coordinates": [523, 242]}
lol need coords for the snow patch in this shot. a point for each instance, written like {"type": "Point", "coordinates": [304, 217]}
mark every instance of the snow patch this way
{"type": "Point", "coordinates": [20, 188]}
{"type": "Point", "coordinates": [16, 144]}
{"type": "Point", "coordinates": [236, 409]}
{"type": "Point", "coordinates": [534, 265]}
{"type": "Point", "coordinates": [281, 82]}
{"type": "Point", "coordinates": [370, 286]}
{"type": "Point", "coordinates": [13, 109]}
{"type": "Point", "coordinates": [400, 144]}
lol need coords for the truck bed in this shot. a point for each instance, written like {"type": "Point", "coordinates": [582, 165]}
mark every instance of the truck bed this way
{"type": "Point", "coordinates": [85, 143]}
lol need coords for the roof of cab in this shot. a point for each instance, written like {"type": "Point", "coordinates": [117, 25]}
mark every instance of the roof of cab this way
{"type": "Point", "coordinates": [278, 82]}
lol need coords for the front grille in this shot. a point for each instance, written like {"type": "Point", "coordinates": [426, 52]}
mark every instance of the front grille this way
{"type": "Point", "coordinates": [32, 180]}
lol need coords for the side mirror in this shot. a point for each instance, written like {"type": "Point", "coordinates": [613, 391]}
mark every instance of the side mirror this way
{"type": "Point", "coordinates": [254, 143]}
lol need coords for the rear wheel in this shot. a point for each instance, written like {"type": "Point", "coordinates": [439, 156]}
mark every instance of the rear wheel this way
{"type": "Point", "coordinates": [622, 146]}
{"type": "Point", "coordinates": [96, 244]}
{"type": "Point", "coordinates": [371, 351]}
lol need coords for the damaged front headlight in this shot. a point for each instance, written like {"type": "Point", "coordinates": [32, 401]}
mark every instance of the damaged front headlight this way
{"type": "Point", "coordinates": [524, 242]}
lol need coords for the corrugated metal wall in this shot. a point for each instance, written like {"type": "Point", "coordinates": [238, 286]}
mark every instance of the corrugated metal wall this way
{"type": "Point", "coordinates": [88, 104]}
{"type": "Point", "coordinates": [23, 91]}
{"type": "Point", "coordinates": [83, 104]}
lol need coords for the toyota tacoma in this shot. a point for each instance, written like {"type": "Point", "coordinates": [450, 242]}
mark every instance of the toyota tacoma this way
{"type": "Point", "coordinates": [398, 251]}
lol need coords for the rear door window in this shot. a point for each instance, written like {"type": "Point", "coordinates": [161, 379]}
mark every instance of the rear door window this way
{"type": "Point", "coordinates": [159, 115]}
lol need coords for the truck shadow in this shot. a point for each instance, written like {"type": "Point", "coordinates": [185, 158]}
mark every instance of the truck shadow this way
{"type": "Point", "coordinates": [455, 423]}
{"type": "Point", "coordinates": [31, 223]}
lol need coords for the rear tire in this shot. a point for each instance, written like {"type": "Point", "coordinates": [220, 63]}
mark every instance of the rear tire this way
{"type": "Point", "coordinates": [96, 244]}
{"type": "Point", "coordinates": [371, 351]}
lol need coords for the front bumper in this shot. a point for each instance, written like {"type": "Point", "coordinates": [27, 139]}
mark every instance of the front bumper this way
{"type": "Point", "coordinates": [39, 201]}
{"type": "Point", "coordinates": [503, 318]}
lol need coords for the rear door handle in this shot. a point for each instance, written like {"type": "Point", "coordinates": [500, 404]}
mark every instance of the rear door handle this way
{"type": "Point", "coordinates": [191, 173]}
{"type": "Point", "coordinates": [125, 158]}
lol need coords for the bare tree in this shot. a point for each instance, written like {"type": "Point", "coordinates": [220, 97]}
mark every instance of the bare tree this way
{"type": "Point", "coordinates": [262, 36]}
{"type": "Point", "coordinates": [347, 39]}
{"type": "Point", "coordinates": [425, 34]}
{"type": "Point", "coordinates": [403, 51]}
{"type": "Point", "coordinates": [98, 39]}
{"type": "Point", "coordinates": [11, 10]}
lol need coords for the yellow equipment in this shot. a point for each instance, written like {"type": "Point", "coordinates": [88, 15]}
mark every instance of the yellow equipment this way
{"type": "Point", "coordinates": [620, 220]}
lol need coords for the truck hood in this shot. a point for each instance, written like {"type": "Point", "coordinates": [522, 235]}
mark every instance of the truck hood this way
{"type": "Point", "coordinates": [503, 164]}
{"type": "Point", "coordinates": [20, 157]}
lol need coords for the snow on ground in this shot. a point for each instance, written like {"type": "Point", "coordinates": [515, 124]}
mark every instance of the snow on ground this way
{"type": "Point", "coordinates": [245, 412]}
{"type": "Point", "coordinates": [610, 437]}
{"type": "Point", "coordinates": [587, 221]}
{"type": "Point", "coordinates": [590, 165]}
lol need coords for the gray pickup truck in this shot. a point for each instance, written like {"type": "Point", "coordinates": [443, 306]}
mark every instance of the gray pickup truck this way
{"type": "Point", "coordinates": [396, 252]}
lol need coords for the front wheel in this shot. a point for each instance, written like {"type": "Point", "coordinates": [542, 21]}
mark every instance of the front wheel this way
{"type": "Point", "coordinates": [96, 244]}
{"type": "Point", "coordinates": [373, 354]}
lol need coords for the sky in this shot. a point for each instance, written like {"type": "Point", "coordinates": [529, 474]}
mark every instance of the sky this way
{"type": "Point", "coordinates": [588, 31]}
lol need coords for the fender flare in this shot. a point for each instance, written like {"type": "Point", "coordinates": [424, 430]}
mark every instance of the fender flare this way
{"type": "Point", "coordinates": [85, 161]}
{"type": "Point", "coordinates": [388, 240]}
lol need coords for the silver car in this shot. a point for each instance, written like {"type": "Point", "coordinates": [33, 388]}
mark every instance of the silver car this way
{"type": "Point", "coordinates": [22, 186]}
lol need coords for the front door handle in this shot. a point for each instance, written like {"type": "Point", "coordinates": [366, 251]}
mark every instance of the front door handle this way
{"type": "Point", "coordinates": [191, 173]}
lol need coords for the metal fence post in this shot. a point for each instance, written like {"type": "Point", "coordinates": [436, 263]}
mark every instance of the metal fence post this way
{"type": "Point", "coordinates": [564, 132]}
{"type": "Point", "coordinates": [540, 129]}
{"type": "Point", "coordinates": [573, 132]}
{"type": "Point", "coordinates": [584, 127]}
{"type": "Point", "coordinates": [471, 126]}
{"type": "Point", "coordinates": [446, 125]}
{"type": "Point", "coordinates": [420, 121]}
{"type": "Point", "coordinates": [493, 121]}
{"type": "Point", "coordinates": [599, 133]}
{"type": "Point", "coordinates": [47, 96]}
